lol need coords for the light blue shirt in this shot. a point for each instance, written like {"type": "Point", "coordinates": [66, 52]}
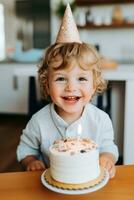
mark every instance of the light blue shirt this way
{"type": "Point", "coordinates": [46, 126]}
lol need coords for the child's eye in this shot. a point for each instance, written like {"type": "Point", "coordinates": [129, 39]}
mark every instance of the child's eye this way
{"type": "Point", "coordinates": [82, 79]}
{"type": "Point", "coordinates": [60, 79]}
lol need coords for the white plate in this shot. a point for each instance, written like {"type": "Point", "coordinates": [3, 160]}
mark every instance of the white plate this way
{"type": "Point", "coordinates": [79, 191]}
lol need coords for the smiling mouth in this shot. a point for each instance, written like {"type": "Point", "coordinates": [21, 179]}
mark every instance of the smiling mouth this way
{"type": "Point", "coordinates": [72, 98]}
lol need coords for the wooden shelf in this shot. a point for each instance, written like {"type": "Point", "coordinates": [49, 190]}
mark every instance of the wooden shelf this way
{"type": "Point", "coordinates": [102, 2]}
{"type": "Point", "coordinates": [111, 26]}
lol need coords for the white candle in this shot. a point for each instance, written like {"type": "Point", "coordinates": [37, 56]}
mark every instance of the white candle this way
{"type": "Point", "coordinates": [79, 131]}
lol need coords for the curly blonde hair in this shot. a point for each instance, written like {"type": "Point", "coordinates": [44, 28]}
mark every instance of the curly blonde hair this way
{"type": "Point", "coordinates": [60, 56]}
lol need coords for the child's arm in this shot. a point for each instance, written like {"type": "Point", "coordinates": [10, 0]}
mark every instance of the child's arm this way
{"type": "Point", "coordinates": [107, 160]}
{"type": "Point", "coordinates": [31, 163]}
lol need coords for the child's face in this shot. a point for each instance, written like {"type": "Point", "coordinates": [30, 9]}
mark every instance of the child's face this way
{"type": "Point", "coordinates": [70, 90]}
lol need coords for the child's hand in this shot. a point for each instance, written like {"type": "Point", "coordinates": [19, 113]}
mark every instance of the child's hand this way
{"type": "Point", "coordinates": [30, 163]}
{"type": "Point", "coordinates": [107, 161]}
{"type": "Point", "coordinates": [35, 165]}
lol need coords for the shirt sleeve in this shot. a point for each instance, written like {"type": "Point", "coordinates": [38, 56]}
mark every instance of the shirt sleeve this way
{"type": "Point", "coordinates": [107, 138]}
{"type": "Point", "coordinates": [29, 140]}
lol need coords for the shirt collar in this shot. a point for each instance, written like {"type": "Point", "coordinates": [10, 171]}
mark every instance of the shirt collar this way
{"type": "Point", "coordinates": [59, 122]}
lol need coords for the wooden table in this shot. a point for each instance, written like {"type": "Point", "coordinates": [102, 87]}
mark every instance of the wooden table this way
{"type": "Point", "coordinates": [27, 186]}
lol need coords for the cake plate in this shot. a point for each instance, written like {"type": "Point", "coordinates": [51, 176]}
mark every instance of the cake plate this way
{"type": "Point", "coordinates": [94, 188]}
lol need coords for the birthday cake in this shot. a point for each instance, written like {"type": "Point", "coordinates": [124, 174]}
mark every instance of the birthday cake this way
{"type": "Point", "coordinates": [74, 160]}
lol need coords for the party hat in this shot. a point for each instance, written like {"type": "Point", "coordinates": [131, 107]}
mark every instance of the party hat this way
{"type": "Point", "coordinates": [68, 30]}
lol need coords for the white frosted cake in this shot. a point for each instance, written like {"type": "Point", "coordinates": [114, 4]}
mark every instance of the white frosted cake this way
{"type": "Point", "coordinates": [74, 161]}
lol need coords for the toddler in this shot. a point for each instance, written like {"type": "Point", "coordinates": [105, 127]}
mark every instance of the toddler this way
{"type": "Point", "coordinates": [70, 75]}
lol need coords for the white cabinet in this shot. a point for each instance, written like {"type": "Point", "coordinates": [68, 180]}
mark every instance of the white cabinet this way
{"type": "Point", "coordinates": [13, 91]}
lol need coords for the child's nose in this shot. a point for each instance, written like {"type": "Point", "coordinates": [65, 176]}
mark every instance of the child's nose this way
{"type": "Point", "coordinates": [71, 86]}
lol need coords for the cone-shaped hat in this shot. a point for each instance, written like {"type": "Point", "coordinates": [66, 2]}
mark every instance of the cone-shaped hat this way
{"type": "Point", "coordinates": [68, 30]}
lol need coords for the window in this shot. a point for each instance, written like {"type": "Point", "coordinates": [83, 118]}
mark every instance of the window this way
{"type": "Point", "coordinates": [2, 33]}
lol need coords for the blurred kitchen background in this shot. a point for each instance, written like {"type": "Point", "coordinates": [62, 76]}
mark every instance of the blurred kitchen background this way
{"type": "Point", "coordinates": [27, 27]}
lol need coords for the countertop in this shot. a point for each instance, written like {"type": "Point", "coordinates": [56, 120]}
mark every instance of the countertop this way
{"type": "Point", "coordinates": [122, 72]}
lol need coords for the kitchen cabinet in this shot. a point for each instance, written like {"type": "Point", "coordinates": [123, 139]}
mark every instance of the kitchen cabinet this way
{"type": "Point", "coordinates": [13, 91]}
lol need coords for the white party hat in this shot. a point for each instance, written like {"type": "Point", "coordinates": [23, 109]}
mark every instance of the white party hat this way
{"type": "Point", "coordinates": [68, 30]}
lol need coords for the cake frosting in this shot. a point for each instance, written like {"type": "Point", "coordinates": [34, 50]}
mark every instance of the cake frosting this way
{"type": "Point", "coordinates": [74, 160]}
